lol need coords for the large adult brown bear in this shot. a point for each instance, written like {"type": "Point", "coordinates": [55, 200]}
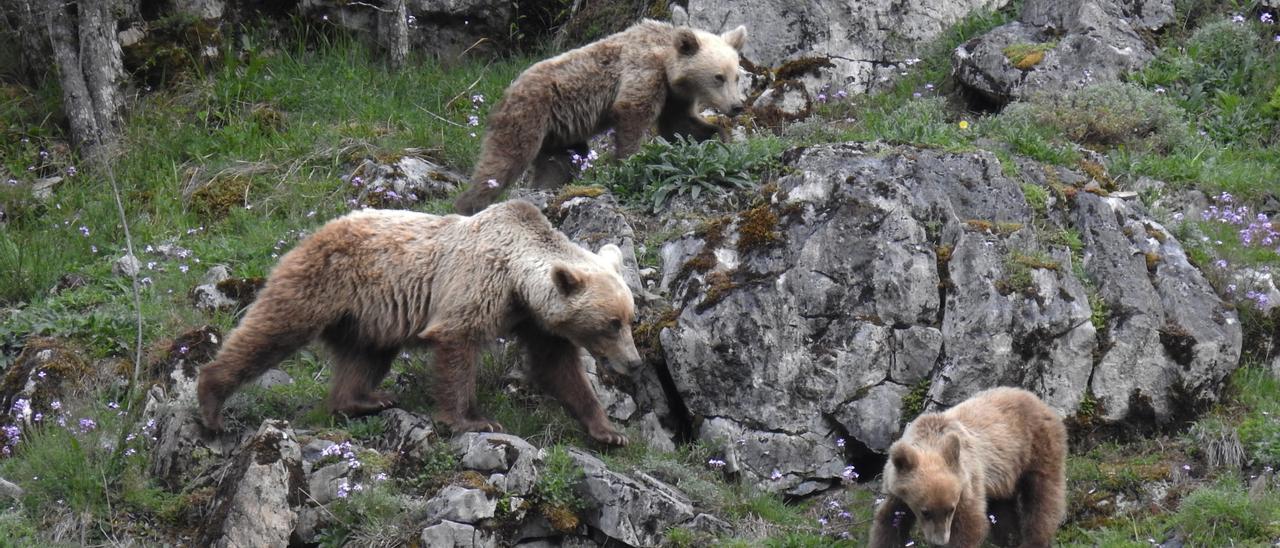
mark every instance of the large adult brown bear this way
{"type": "Point", "coordinates": [1001, 444]}
{"type": "Point", "coordinates": [650, 72]}
{"type": "Point", "coordinates": [374, 281]}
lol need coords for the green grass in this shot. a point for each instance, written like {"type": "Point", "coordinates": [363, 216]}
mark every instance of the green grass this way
{"type": "Point", "coordinates": [287, 120]}
{"type": "Point", "coordinates": [280, 126]}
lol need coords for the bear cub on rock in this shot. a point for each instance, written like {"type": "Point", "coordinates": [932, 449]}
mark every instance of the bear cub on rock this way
{"type": "Point", "coordinates": [651, 72]}
{"type": "Point", "coordinates": [1002, 444]}
{"type": "Point", "coordinates": [374, 281]}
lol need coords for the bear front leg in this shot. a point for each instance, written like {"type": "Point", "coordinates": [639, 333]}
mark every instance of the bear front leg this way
{"type": "Point", "coordinates": [679, 119]}
{"type": "Point", "coordinates": [556, 366]}
{"type": "Point", "coordinates": [269, 333]}
{"type": "Point", "coordinates": [634, 112]}
{"type": "Point", "coordinates": [970, 525]}
{"type": "Point", "coordinates": [891, 527]}
{"type": "Point", "coordinates": [1042, 507]}
{"type": "Point", "coordinates": [456, 362]}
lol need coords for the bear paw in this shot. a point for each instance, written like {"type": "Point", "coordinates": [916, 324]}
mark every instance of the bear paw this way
{"type": "Point", "coordinates": [480, 424]}
{"type": "Point", "coordinates": [367, 404]}
{"type": "Point", "coordinates": [608, 436]}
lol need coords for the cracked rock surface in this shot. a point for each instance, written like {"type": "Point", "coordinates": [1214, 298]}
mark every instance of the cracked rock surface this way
{"type": "Point", "coordinates": [881, 281]}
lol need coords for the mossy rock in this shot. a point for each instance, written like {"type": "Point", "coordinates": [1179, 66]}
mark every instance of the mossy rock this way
{"type": "Point", "coordinates": [172, 49]}
{"type": "Point", "coordinates": [1026, 56]}
{"type": "Point", "coordinates": [215, 199]}
{"type": "Point", "coordinates": [48, 369]}
{"type": "Point", "coordinates": [804, 66]}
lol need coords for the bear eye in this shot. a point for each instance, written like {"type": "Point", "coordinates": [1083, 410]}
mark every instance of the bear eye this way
{"type": "Point", "coordinates": [720, 78]}
{"type": "Point", "coordinates": [926, 514]}
{"type": "Point", "coordinates": [616, 324]}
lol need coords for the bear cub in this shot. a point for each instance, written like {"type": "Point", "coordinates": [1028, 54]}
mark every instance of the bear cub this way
{"type": "Point", "coordinates": [651, 72]}
{"type": "Point", "coordinates": [1002, 444]}
{"type": "Point", "coordinates": [374, 281]}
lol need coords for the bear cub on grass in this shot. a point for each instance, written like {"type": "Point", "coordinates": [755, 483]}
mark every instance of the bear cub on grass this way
{"type": "Point", "coordinates": [375, 281]}
{"type": "Point", "coordinates": [1002, 444]}
{"type": "Point", "coordinates": [651, 72]}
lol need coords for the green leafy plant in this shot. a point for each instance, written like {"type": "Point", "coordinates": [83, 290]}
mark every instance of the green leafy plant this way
{"type": "Point", "coordinates": [558, 479]}
{"type": "Point", "coordinates": [683, 166]}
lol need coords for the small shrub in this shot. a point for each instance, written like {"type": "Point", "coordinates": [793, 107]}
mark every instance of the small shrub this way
{"type": "Point", "coordinates": [921, 121]}
{"type": "Point", "coordinates": [1225, 515]}
{"type": "Point", "coordinates": [435, 467]}
{"type": "Point", "coordinates": [367, 515]}
{"type": "Point", "coordinates": [1037, 197]}
{"type": "Point", "coordinates": [682, 166]}
{"type": "Point", "coordinates": [557, 481]}
{"type": "Point", "coordinates": [1108, 115]}
{"type": "Point", "coordinates": [1098, 311]}
{"type": "Point", "coordinates": [913, 403]}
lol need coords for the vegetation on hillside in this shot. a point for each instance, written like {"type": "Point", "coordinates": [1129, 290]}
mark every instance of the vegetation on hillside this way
{"type": "Point", "coordinates": [235, 163]}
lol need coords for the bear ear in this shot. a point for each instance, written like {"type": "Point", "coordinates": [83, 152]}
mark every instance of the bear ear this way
{"type": "Point", "coordinates": [686, 42]}
{"type": "Point", "coordinates": [903, 457]}
{"type": "Point", "coordinates": [951, 450]}
{"type": "Point", "coordinates": [736, 38]}
{"type": "Point", "coordinates": [613, 256]}
{"type": "Point", "coordinates": [567, 280]}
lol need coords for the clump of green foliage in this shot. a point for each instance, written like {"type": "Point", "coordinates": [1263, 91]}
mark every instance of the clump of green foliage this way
{"type": "Point", "coordinates": [1226, 75]}
{"type": "Point", "coordinates": [1108, 115]}
{"type": "Point", "coordinates": [683, 166]}
{"type": "Point", "coordinates": [1225, 514]}
{"type": "Point", "coordinates": [558, 480]}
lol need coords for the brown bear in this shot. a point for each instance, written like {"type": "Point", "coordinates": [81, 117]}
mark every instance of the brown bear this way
{"type": "Point", "coordinates": [652, 71]}
{"type": "Point", "coordinates": [374, 281]}
{"type": "Point", "coordinates": [1001, 444]}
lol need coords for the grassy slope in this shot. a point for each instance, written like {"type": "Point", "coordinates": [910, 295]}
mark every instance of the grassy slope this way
{"type": "Point", "coordinates": [283, 124]}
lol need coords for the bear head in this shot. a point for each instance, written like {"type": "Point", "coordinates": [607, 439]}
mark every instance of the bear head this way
{"type": "Point", "coordinates": [592, 306]}
{"type": "Point", "coordinates": [930, 480]}
{"type": "Point", "coordinates": [705, 68]}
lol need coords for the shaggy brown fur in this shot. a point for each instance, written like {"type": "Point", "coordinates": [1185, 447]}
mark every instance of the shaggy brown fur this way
{"type": "Point", "coordinates": [650, 72]}
{"type": "Point", "coordinates": [374, 281]}
{"type": "Point", "coordinates": [1001, 444]}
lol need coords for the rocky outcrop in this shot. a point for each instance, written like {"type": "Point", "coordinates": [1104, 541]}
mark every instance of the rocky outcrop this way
{"type": "Point", "coordinates": [401, 182]}
{"type": "Point", "coordinates": [877, 282]}
{"type": "Point", "coordinates": [1060, 45]}
{"type": "Point", "coordinates": [438, 27]}
{"type": "Point", "coordinates": [867, 42]}
{"type": "Point", "coordinates": [636, 511]}
{"type": "Point", "coordinates": [256, 504]}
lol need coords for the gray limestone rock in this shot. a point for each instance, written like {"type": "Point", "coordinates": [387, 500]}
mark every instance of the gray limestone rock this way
{"type": "Point", "coordinates": [636, 511]}
{"type": "Point", "coordinates": [868, 42]}
{"type": "Point", "coordinates": [1060, 45]}
{"type": "Point", "coordinates": [888, 271]}
{"type": "Point", "coordinates": [258, 499]}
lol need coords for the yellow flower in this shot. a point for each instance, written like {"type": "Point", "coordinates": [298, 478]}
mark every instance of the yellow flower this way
{"type": "Point", "coordinates": [964, 124]}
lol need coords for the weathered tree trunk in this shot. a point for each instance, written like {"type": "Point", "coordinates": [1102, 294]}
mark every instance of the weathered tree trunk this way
{"type": "Point", "coordinates": [393, 23]}
{"type": "Point", "coordinates": [88, 59]}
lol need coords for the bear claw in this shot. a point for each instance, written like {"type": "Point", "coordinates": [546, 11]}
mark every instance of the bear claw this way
{"type": "Point", "coordinates": [610, 437]}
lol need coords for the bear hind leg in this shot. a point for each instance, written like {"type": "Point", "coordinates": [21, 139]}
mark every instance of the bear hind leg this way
{"type": "Point", "coordinates": [357, 372]}
{"type": "Point", "coordinates": [1042, 507]}
{"type": "Point", "coordinates": [557, 368]}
